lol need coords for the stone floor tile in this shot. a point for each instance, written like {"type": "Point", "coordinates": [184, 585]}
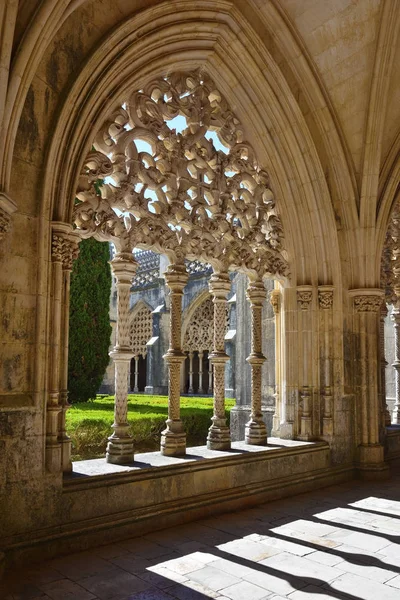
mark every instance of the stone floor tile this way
{"type": "Point", "coordinates": [80, 565]}
{"type": "Point", "coordinates": [245, 591]}
{"type": "Point", "coordinates": [282, 545]}
{"type": "Point", "coordinates": [145, 548]}
{"type": "Point", "coordinates": [131, 563]}
{"type": "Point", "coordinates": [324, 558]}
{"type": "Point", "coordinates": [374, 543]}
{"type": "Point", "coordinates": [302, 568]}
{"type": "Point", "coordinates": [66, 590]}
{"type": "Point", "coordinates": [249, 549]}
{"type": "Point", "coordinates": [20, 590]}
{"type": "Point", "coordinates": [162, 578]}
{"type": "Point", "coordinates": [213, 578]}
{"type": "Point", "coordinates": [150, 595]}
{"type": "Point", "coordinates": [192, 590]}
{"type": "Point", "coordinates": [264, 579]}
{"type": "Point", "coordinates": [309, 527]}
{"type": "Point", "coordinates": [359, 588]}
{"type": "Point", "coordinates": [395, 582]}
{"type": "Point", "coordinates": [114, 585]}
{"type": "Point", "coordinates": [109, 551]}
{"type": "Point", "coordinates": [367, 571]}
{"type": "Point", "coordinates": [311, 591]}
{"type": "Point", "coordinates": [181, 565]}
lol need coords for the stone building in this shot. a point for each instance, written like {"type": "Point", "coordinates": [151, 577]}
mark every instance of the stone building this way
{"type": "Point", "coordinates": [261, 137]}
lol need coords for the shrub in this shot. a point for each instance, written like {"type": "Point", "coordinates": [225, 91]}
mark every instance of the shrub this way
{"type": "Point", "coordinates": [89, 328]}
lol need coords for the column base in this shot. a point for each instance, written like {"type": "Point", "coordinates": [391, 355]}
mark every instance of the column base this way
{"type": "Point", "coordinates": [173, 444]}
{"type": "Point", "coordinates": [287, 430]}
{"type": "Point", "coordinates": [53, 458]}
{"type": "Point", "coordinates": [371, 465]}
{"type": "Point", "coordinates": [306, 434]}
{"type": "Point", "coordinates": [66, 455]}
{"type": "Point", "coordinates": [255, 433]}
{"type": "Point", "coordinates": [219, 438]}
{"type": "Point", "coordinates": [120, 450]}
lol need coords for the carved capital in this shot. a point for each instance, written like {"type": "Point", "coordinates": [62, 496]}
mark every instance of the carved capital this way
{"type": "Point", "coordinates": [304, 297]}
{"type": "Point", "coordinates": [256, 293]}
{"type": "Point", "coordinates": [64, 250]}
{"type": "Point", "coordinates": [275, 300]}
{"type": "Point", "coordinates": [219, 286]}
{"type": "Point", "coordinates": [367, 300]}
{"type": "Point", "coordinates": [176, 277]}
{"type": "Point", "coordinates": [325, 297]}
{"type": "Point", "coordinates": [124, 267]}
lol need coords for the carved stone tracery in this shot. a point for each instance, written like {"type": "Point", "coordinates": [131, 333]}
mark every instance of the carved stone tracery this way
{"type": "Point", "coordinates": [141, 330]}
{"type": "Point", "coordinates": [194, 191]}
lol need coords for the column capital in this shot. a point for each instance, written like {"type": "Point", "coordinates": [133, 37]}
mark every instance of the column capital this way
{"type": "Point", "coordinates": [219, 285]}
{"type": "Point", "coordinates": [325, 296]}
{"type": "Point", "coordinates": [256, 293]}
{"type": "Point", "coordinates": [64, 244]}
{"type": "Point", "coordinates": [304, 296]}
{"type": "Point", "coordinates": [124, 267]}
{"type": "Point", "coordinates": [176, 277]}
{"type": "Point", "coordinates": [275, 300]}
{"type": "Point", "coordinates": [367, 299]}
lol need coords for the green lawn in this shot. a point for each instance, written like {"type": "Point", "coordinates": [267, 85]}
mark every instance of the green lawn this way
{"type": "Point", "coordinates": [89, 423]}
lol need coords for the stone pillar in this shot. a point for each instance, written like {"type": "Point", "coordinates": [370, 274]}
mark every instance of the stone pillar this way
{"type": "Point", "coordinates": [60, 246]}
{"type": "Point", "coordinates": [70, 255]}
{"type": "Point", "coordinates": [367, 306]}
{"type": "Point", "coordinates": [219, 437]}
{"type": "Point", "coordinates": [201, 391]}
{"type": "Point", "coordinates": [136, 375]}
{"type": "Point", "coordinates": [190, 390]}
{"type": "Point", "coordinates": [275, 300]}
{"type": "Point", "coordinates": [386, 417]}
{"type": "Point", "coordinates": [173, 438]}
{"type": "Point", "coordinates": [210, 376]}
{"type": "Point", "coordinates": [120, 443]}
{"type": "Point", "coordinates": [255, 430]}
{"type": "Point", "coordinates": [396, 364]}
{"type": "Point", "coordinates": [304, 298]}
{"type": "Point", "coordinates": [325, 302]}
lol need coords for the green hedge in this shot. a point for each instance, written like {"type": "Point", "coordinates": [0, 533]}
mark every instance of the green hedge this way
{"type": "Point", "coordinates": [89, 423]}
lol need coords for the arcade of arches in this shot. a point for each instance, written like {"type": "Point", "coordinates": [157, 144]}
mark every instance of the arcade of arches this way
{"type": "Point", "coordinates": [260, 138]}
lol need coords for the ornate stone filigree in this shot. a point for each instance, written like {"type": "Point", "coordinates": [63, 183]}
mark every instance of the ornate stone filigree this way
{"type": "Point", "coordinates": [368, 303]}
{"type": "Point", "coordinates": [64, 250]}
{"type": "Point", "coordinates": [190, 190]}
{"type": "Point", "coordinates": [390, 264]}
{"type": "Point", "coordinates": [5, 223]}
{"type": "Point", "coordinates": [304, 298]}
{"type": "Point", "coordinates": [325, 299]}
{"type": "Point", "coordinates": [199, 335]}
{"type": "Point", "coordinates": [141, 330]}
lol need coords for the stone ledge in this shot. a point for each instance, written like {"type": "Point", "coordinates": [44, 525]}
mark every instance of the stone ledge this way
{"type": "Point", "coordinates": [99, 509]}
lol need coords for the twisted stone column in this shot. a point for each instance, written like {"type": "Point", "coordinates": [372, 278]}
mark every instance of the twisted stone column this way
{"type": "Point", "coordinates": [210, 376]}
{"type": "Point", "coordinates": [396, 364]}
{"type": "Point", "coordinates": [120, 443]}
{"type": "Point", "coordinates": [219, 437]}
{"type": "Point", "coordinates": [201, 373]}
{"type": "Point", "coordinates": [255, 430]}
{"type": "Point", "coordinates": [136, 375]}
{"type": "Point", "coordinates": [190, 390]}
{"type": "Point", "coordinates": [173, 438]}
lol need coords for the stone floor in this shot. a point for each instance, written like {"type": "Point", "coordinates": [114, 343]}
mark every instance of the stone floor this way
{"type": "Point", "coordinates": [340, 542]}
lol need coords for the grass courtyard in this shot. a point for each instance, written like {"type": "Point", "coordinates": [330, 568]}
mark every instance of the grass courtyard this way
{"type": "Point", "coordinates": [89, 423]}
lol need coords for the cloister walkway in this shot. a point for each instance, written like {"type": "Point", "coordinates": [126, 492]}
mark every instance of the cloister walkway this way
{"type": "Point", "coordinates": [340, 542]}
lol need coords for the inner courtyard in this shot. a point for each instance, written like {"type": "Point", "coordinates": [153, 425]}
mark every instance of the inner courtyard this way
{"type": "Point", "coordinates": [240, 161]}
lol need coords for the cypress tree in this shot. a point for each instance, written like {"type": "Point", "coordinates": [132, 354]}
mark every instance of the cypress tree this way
{"type": "Point", "coordinates": [89, 326]}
